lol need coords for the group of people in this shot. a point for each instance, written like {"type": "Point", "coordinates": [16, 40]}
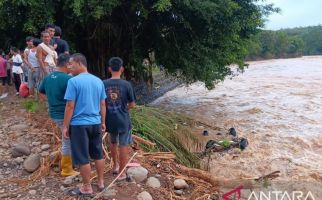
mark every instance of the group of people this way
{"type": "Point", "coordinates": [83, 107]}
{"type": "Point", "coordinates": [34, 63]}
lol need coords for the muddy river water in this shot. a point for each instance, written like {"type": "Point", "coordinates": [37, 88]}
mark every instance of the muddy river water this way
{"type": "Point", "coordinates": [276, 104]}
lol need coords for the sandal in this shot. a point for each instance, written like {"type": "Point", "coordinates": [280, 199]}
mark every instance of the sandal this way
{"type": "Point", "coordinates": [123, 178]}
{"type": "Point", "coordinates": [78, 192]}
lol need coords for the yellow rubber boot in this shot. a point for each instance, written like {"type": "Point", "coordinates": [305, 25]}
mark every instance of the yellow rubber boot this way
{"type": "Point", "coordinates": [67, 166]}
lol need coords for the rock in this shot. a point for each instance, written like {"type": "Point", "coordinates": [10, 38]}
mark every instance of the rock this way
{"type": "Point", "coordinates": [157, 176]}
{"type": "Point", "coordinates": [68, 180]}
{"type": "Point", "coordinates": [20, 150]}
{"type": "Point", "coordinates": [180, 184]}
{"type": "Point", "coordinates": [45, 147]}
{"type": "Point", "coordinates": [35, 143]}
{"type": "Point", "coordinates": [5, 164]}
{"type": "Point", "coordinates": [178, 192]}
{"type": "Point", "coordinates": [153, 182]}
{"type": "Point", "coordinates": [144, 196]}
{"type": "Point", "coordinates": [19, 160]}
{"type": "Point", "coordinates": [19, 127]}
{"type": "Point", "coordinates": [45, 153]}
{"type": "Point", "coordinates": [32, 163]}
{"type": "Point", "coordinates": [139, 174]}
{"type": "Point", "coordinates": [62, 188]}
{"type": "Point", "coordinates": [108, 194]}
{"type": "Point", "coordinates": [32, 192]}
{"type": "Point", "coordinates": [5, 145]}
{"type": "Point", "coordinates": [36, 150]}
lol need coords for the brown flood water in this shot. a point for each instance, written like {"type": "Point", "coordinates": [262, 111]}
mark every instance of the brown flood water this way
{"type": "Point", "coordinates": [276, 105]}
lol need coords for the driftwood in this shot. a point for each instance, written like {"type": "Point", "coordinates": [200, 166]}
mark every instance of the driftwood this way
{"type": "Point", "coordinates": [159, 155]}
{"type": "Point", "coordinates": [248, 183]}
{"type": "Point", "coordinates": [138, 139]}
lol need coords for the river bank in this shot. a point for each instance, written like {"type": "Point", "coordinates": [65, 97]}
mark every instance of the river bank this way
{"type": "Point", "coordinates": [276, 104]}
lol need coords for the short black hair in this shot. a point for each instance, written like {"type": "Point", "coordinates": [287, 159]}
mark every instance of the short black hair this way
{"type": "Point", "coordinates": [50, 26]}
{"type": "Point", "coordinates": [58, 31]}
{"type": "Point", "coordinates": [80, 58]}
{"type": "Point", "coordinates": [115, 63]}
{"type": "Point", "coordinates": [44, 32]}
{"type": "Point", "coordinates": [14, 49]}
{"type": "Point", "coordinates": [62, 60]}
{"type": "Point", "coordinates": [29, 38]}
{"type": "Point", "coordinates": [36, 42]}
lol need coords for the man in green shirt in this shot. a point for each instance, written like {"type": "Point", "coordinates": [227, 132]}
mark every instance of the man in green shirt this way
{"type": "Point", "coordinates": [54, 87]}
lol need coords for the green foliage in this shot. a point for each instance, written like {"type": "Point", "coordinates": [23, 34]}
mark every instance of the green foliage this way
{"type": "Point", "coordinates": [31, 105]}
{"type": "Point", "coordinates": [167, 130]}
{"type": "Point", "coordinates": [193, 40]}
{"type": "Point", "coordinates": [286, 43]}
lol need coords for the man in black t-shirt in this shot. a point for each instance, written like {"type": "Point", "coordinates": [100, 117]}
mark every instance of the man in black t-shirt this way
{"type": "Point", "coordinates": [50, 28]}
{"type": "Point", "coordinates": [120, 99]}
{"type": "Point", "coordinates": [62, 45]}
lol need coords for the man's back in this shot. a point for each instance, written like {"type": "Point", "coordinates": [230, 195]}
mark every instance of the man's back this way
{"type": "Point", "coordinates": [87, 91]}
{"type": "Point", "coordinates": [119, 93]}
{"type": "Point", "coordinates": [54, 86]}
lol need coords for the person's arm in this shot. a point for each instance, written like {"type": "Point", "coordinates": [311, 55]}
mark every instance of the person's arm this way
{"type": "Point", "coordinates": [39, 55]}
{"type": "Point", "coordinates": [66, 48]}
{"type": "Point", "coordinates": [131, 98]}
{"type": "Point", "coordinates": [131, 105]}
{"type": "Point", "coordinates": [25, 59]}
{"type": "Point", "coordinates": [69, 110]}
{"type": "Point", "coordinates": [70, 97]}
{"type": "Point", "coordinates": [103, 115]}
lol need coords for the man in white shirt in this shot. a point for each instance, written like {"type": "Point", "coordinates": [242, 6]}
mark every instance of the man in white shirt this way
{"type": "Point", "coordinates": [16, 68]}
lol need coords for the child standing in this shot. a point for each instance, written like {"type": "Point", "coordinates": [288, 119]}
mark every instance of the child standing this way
{"type": "Point", "coordinates": [120, 99]}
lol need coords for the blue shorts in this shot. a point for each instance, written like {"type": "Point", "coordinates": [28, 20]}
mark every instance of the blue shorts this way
{"type": "Point", "coordinates": [86, 143]}
{"type": "Point", "coordinates": [122, 139]}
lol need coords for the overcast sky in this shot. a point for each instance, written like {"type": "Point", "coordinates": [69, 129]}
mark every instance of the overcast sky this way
{"type": "Point", "coordinates": [295, 13]}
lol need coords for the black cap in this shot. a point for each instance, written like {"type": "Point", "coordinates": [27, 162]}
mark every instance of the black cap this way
{"type": "Point", "coordinates": [115, 63]}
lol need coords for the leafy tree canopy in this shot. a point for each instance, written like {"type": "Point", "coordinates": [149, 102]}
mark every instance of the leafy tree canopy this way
{"type": "Point", "coordinates": [193, 39]}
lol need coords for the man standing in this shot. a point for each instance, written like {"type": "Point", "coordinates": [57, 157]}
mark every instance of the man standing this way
{"type": "Point", "coordinates": [50, 28]}
{"type": "Point", "coordinates": [16, 67]}
{"type": "Point", "coordinates": [25, 66]}
{"type": "Point", "coordinates": [120, 99]}
{"type": "Point", "coordinates": [62, 45]}
{"type": "Point", "coordinates": [46, 54]}
{"type": "Point", "coordinates": [57, 103]}
{"type": "Point", "coordinates": [84, 122]}
{"type": "Point", "coordinates": [33, 67]}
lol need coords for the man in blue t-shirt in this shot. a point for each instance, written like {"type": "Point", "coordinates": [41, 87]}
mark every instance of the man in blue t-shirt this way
{"type": "Point", "coordinates": [84, 121]}
{"type": "Point", "coordinates": [120, 99]}
{"type": "Point", "coordinates": [54, 87]}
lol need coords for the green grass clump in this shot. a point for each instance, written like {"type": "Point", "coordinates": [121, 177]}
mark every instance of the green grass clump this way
{"type": "Point", "coordinates": [31, 105]}
{"type": "Point", "coordinates": [167, 130]}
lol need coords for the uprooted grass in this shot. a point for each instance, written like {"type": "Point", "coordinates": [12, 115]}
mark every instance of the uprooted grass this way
{"type": "Point", "coordinates": [168, 130]}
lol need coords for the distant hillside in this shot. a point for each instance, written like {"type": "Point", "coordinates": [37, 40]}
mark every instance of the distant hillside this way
{"type": "Point", "coordinates": [286, 43]}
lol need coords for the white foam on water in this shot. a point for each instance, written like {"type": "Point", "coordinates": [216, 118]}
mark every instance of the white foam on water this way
{"type": "Point", "coordinates": [276, 104]}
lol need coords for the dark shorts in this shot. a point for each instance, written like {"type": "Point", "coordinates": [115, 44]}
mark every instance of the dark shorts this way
{"type": "Point", "coordinates": [123, 139]}
{"type": "Point", "coordinates": [86, 143]}
{"type": "Point", "coordinates": [4, 80]}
